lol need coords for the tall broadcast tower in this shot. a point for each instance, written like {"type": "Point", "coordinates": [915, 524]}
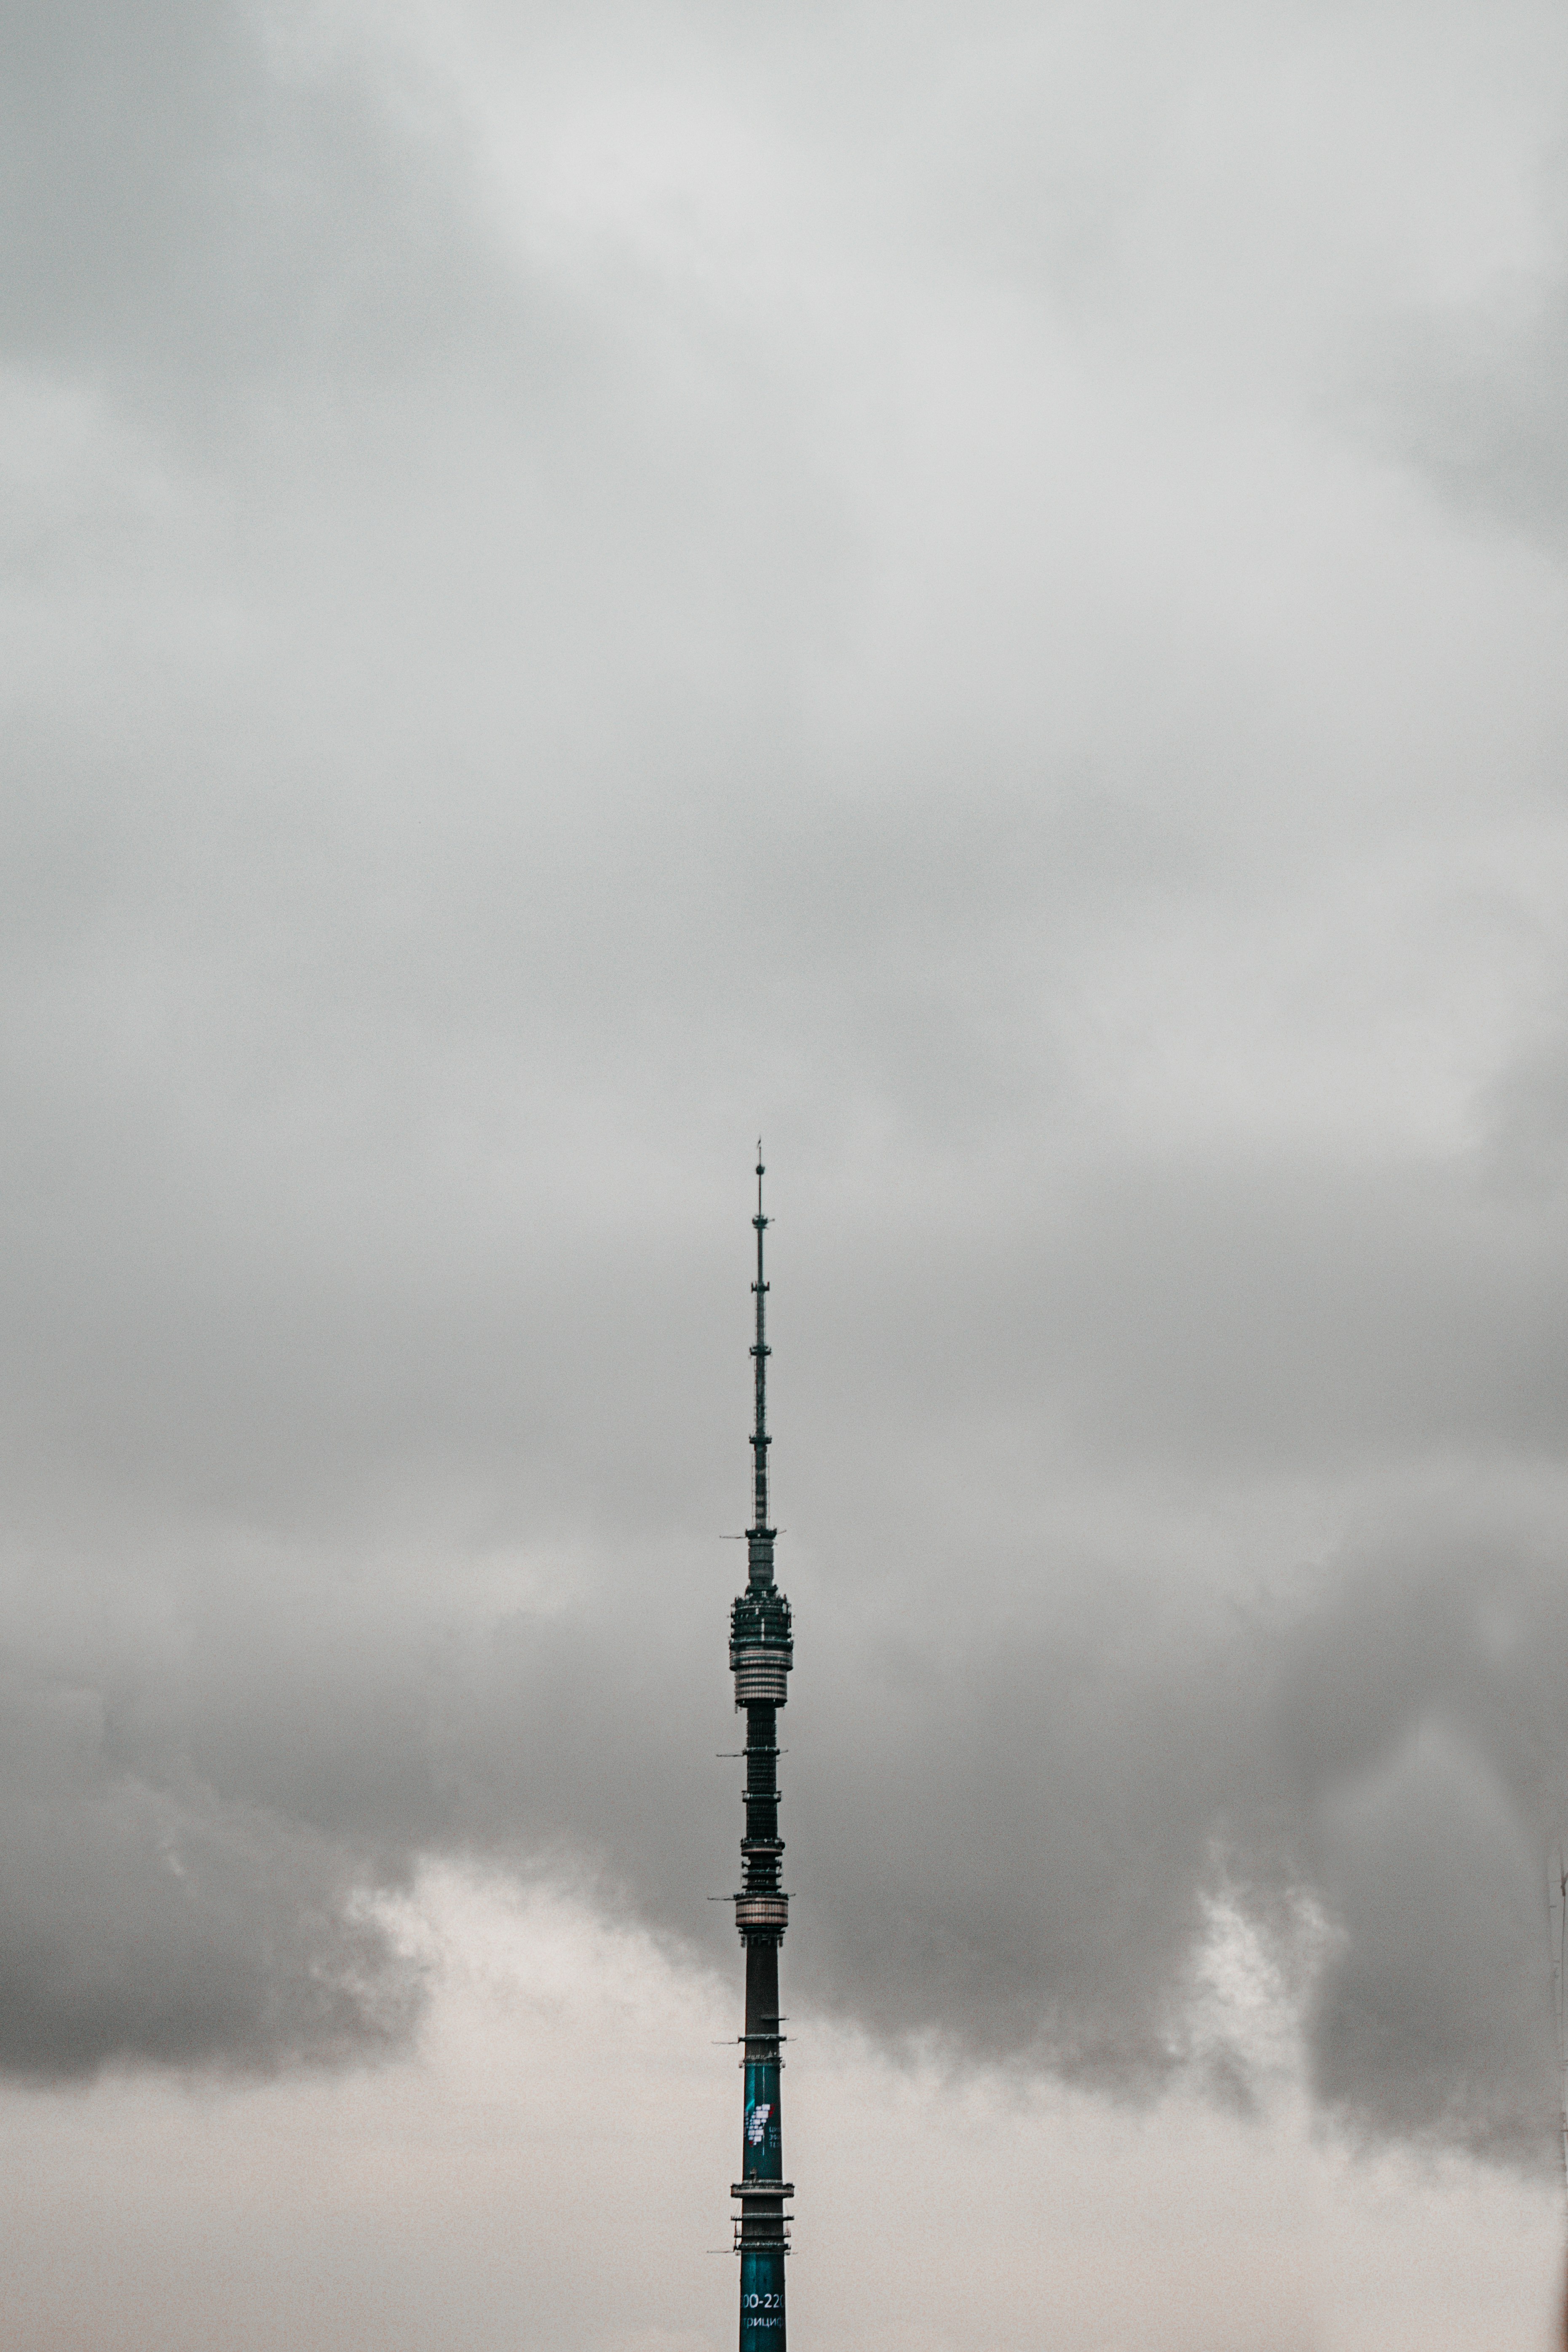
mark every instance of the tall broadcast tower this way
{"type": "Point", "coordinates": [760, 1656]}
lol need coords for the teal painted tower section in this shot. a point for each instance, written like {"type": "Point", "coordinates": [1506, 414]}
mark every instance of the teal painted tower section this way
{"type": "Point", "coordinates": [761, 1653]}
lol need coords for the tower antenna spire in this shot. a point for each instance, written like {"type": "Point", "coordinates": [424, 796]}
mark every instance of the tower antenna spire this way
{"type": "Point", "coordinates": [759, 1535]}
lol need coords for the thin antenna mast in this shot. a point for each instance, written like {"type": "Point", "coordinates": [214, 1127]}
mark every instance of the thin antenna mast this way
{"type": "Point", "coordinates": [760, 1532]}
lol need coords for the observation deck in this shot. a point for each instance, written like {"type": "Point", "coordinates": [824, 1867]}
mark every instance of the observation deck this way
{"type": "Point", "coordinates": [761, 1647]}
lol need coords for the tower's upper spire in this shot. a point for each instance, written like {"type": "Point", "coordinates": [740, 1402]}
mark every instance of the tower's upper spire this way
{"type": "Point", "coordinates": [759, 1535]}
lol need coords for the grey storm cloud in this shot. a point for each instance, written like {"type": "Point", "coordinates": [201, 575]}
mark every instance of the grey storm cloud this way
{"type": "Point", "coordinates": [1480, 401]}
{"type": "Point", "coordinates": [193, 195]}
{"type": "Point", "coordinates": [867, 609]}
{"type": "Point", "coordinates": [149, 1920]}
{"type": "Point", "coordinates": [1042, 1809]}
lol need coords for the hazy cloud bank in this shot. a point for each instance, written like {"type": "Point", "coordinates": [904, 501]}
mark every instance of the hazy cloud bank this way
{"type": "Point", "coordinates": [1006, 1837]}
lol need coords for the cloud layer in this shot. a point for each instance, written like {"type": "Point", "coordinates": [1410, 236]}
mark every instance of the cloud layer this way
{"type": "Point", "coordinates": [963, 594]}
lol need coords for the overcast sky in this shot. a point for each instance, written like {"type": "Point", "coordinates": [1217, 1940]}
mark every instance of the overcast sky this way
{"type": "Point", "coordinates": [983, 591]}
